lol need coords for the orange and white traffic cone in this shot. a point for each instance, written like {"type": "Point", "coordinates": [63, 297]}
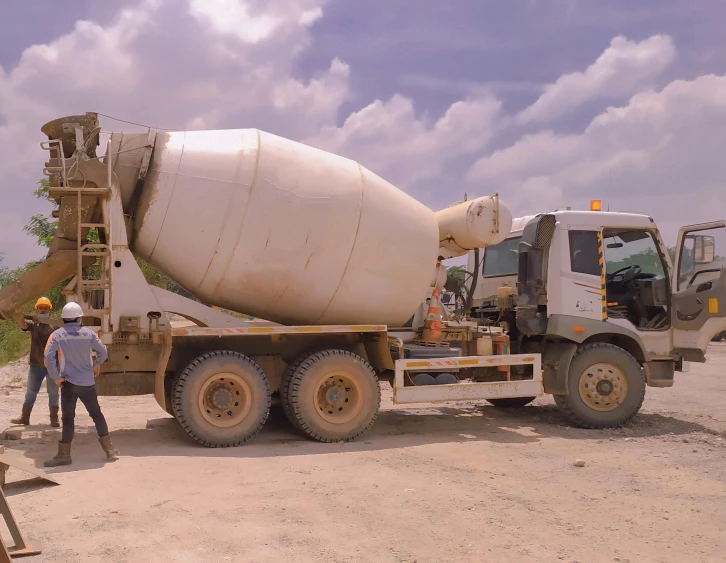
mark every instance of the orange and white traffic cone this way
{"type": "Point", "coordinates": [434, 320]}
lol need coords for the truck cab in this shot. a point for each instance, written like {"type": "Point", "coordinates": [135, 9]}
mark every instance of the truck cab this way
{"type": "Point", "coordinates": [611, 311]}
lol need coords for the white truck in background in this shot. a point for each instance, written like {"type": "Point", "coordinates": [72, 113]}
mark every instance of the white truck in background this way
{"type": "Point", "coordinates": [338, 262]}
{"type": "Point", "coordinates": [498, 268]}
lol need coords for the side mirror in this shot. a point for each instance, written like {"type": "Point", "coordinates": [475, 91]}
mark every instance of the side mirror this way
{"type": "Point", "coordinates": [704, 249]}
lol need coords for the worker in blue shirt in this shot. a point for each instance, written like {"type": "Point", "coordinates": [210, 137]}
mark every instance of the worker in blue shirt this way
{"type": "Point", "coordinates": [68, 357]}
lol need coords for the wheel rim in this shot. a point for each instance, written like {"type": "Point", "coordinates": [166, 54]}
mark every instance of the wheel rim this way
{"type": "Point", "coordinates": [603, 387]}
{"type": "Point", "coordinates": [337, 397]}
{"type": "Point", "coordinates": [225, 400]}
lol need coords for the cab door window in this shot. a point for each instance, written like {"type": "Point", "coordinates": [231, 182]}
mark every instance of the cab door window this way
{"type": "Point", "coordinates": [702, 256]}
{"type": "Point", "coordinates": [584, 254]}
{"type": "Point", "coordinates": [636, 284]}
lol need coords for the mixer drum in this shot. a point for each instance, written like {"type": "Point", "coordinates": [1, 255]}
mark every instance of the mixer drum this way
{"type": "Point", "coordinates": [256, 223]}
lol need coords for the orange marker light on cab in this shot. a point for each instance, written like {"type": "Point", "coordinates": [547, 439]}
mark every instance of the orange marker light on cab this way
{"type": "Point", "coordinates": [595, 205]}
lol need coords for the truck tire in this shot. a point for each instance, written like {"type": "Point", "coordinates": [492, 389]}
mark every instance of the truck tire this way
{"type": "Point", "coordinates": [334, 395]}
{"type": "Point", "coordinates": [511, 402]}
{"type": "Point", "coordinates": [606, 387]}
{"type": "Point", "coordinates": [285, 388]}
{"type": "Point", "coordinates": [423, 379]}
{"type": "Point", "coordinates": [446, 379]}
{"type": "Point", "coordinates": [222, 399]}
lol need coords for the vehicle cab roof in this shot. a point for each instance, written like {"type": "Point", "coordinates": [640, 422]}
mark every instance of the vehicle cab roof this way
{"type": "Point", "coordinates": [604, 219]}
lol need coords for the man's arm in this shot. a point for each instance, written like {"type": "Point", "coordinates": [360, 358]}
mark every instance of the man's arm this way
{"type": "Point", "coordinates": [51, 358]}
{"type": "Point", "coordinates": [98, 347]}
{"type": "Point", "coordinates": [22, 322]}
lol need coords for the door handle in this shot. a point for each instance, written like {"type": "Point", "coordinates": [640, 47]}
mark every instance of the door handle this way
{"type": "Point", "coordinates": [704, 287]}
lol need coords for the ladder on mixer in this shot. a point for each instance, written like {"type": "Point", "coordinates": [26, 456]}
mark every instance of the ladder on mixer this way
{"type": "Point", "coordinates": [84, 285]}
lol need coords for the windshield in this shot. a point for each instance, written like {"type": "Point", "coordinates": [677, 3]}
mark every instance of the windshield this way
{"type": "Point", "coordinates": [632, 248]}
{"type": "Point", "coordinates": [502, 259]}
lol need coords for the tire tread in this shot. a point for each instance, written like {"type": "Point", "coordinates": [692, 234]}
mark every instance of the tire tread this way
{"type": "Point", "coordinates": [301, 372]}
{"type": "Point", "coordinates": [563, 403]}
{"type": "Point", "coordinates": [188, 373]}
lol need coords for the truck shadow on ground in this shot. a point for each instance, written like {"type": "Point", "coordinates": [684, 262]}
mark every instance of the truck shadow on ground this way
{"type": "Point", "coordinates": [394, 428]}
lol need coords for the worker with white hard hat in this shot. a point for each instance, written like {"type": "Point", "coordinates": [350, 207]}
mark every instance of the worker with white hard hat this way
{"type": "Point", "coordinates": [68, 357]}
{"type": "Point", "coordinates": [37, 373]}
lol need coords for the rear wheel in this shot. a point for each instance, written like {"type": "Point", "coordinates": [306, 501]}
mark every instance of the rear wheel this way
{"type": "Point", "coordinates": [285, 388]}
{"type": "Point", "coordinates": [606, 387]}
{"type": "Point", "coordinates": [511, 402]}
{"type": "Point", "coordinates": [221, 399]}
{"type": "Point", "coordinates": [334, 395]}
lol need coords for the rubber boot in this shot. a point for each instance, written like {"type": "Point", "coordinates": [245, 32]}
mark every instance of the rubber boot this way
{"type": "Point", "coordinates": [54, 422]}
{"type": "Point", "coordinates": [63, 457]}
{"type": "Point", "coordinates": [111, 452]}
{"type": "Point", "coordinates": [24, 418]}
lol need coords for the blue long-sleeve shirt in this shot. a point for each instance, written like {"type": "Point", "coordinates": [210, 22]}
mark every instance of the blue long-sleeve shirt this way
{"type": "Point", "coordinates": [68, 354]}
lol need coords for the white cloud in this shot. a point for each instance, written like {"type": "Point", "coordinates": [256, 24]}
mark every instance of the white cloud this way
{"type": "Point", "coordinates": [256, 21]}
{"type": "Point", "coordinates": [661, 154]}
{"type": "Point", "coordinates": [622, 69]}
{"type": "Point", "coordinates": [166, 63]}
{"type": "Point", "coordinates": [394, 142]}
{"type": "Point", "coordinates": [235, 18]}
{"type": "Point", "coordinates": [309, 17]}
{"type": "Point", "coordinates": [192, 64]}
{"type": "Point", "coordinates": [426, 155]}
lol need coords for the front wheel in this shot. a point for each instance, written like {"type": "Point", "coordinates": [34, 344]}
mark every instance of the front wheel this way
{"type": "Point", "coordinates": [606, 387]}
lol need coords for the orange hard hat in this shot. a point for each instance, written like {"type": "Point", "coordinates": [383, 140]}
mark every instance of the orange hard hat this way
{"type": "Point", "coordinates": [43, 301]}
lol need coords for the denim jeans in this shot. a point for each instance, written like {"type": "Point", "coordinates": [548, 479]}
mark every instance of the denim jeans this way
{"type": "Point", "coordinates": [87, 394]}
{"type": "Point", "coordinates": [36, 375]}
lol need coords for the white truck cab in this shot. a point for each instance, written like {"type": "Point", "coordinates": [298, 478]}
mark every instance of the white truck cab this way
{"type": "Point", "coordinates": [597, 294]}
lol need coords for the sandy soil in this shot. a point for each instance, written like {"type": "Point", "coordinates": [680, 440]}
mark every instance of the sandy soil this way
{"type": "Point", "coordinates": [453, 483]}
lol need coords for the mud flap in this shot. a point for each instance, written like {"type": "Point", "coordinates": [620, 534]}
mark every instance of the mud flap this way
{"type": "Point", "coordinates": [659, 374]}
{"type": "Point", "coordinates": [556, 361]}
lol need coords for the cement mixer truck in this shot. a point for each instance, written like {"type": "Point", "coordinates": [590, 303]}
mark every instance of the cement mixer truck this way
{"type": "Point", "coordinates": [341, 271]}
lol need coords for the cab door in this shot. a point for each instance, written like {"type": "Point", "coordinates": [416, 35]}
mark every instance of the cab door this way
{"type": "Point", "coordinates": [699, 288]}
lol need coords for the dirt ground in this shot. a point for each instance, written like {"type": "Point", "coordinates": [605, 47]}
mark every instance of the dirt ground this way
{"type": "Point", "coordinates": [454, 483]}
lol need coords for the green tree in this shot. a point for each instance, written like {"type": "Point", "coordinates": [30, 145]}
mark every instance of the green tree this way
{"type": "Point", "coordinates": [457, 272]}
{"type": "Point", "coordinates": [456, 277]}
{"type": "Point", "coordinates": [42, 227]}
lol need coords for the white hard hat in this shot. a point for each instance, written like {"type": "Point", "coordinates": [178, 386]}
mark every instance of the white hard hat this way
{"type": "Point", "coordinates": [71, 311]}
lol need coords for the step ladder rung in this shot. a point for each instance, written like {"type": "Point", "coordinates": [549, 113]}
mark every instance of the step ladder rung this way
{"type": "Point", "coordinates": [76, 191]}
{"type": "Point", "coordinates": [96, 245]}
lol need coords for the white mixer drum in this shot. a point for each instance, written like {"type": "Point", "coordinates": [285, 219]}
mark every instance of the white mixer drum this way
{"type": "Point", "coordinates": [263, 225]}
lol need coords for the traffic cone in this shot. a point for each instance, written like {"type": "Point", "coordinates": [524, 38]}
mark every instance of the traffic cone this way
{"type": "Point", "coordinates": [434, 320]}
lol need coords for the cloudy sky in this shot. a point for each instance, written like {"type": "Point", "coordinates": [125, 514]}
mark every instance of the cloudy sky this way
{"type": "Point", "coordinates": [548, 102]}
